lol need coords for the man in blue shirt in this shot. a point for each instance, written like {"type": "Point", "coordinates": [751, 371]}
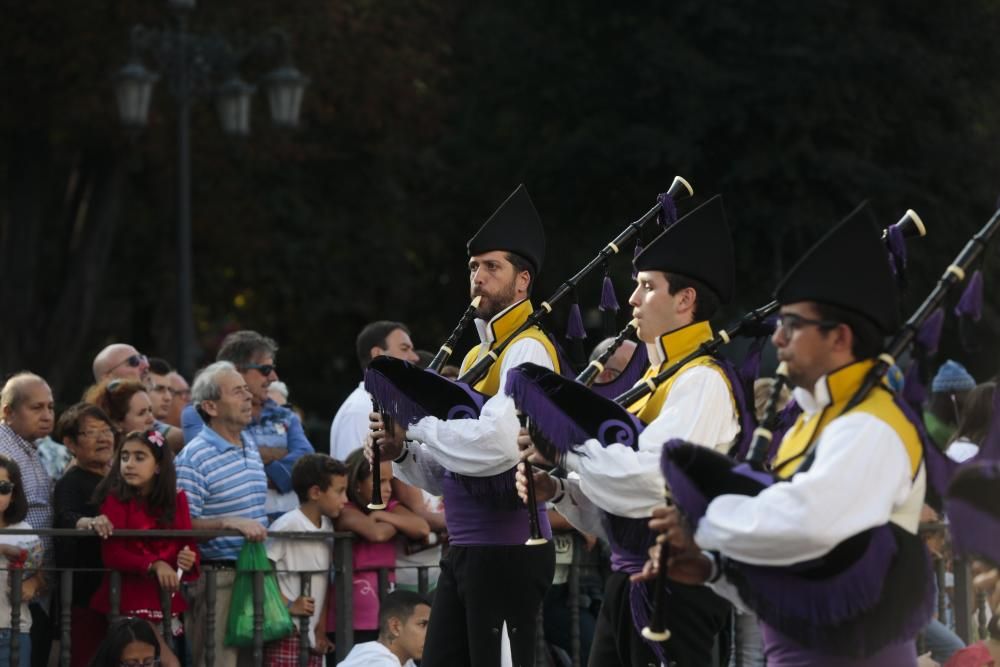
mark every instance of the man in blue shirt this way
{"type": "Point", "coordinates": [275, 430]}
{"type": "Point", "coordinates": [223, 476]}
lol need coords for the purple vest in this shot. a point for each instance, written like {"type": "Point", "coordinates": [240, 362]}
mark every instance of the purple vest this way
{"type": "Point", "coordinates": [783, 652]}
{"type": "Point", "coordinates": [472, 523]}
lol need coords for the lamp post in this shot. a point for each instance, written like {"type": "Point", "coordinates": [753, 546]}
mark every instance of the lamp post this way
{"type": "Point", "coordinates": [201, 66]}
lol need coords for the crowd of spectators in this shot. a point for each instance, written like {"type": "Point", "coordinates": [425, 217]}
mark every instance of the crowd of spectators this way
{"type": "Point", "coordinates": [144, 449]}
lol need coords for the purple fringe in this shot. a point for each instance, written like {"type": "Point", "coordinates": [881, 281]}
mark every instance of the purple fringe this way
{"type": "Point", "coordinates": [574, 327]}
{"type": "Point", "coordinates": [971, 303]}
{"type": "Point", "coordinates": [609, 300]}
{"type": "Point", "coordinates": [668, 210]}
{"type": "Point", "coordinates": [897, 250]}
{"type": "Point", "coordinates": [632, 373]}
{"type": "Point", "coordinates": [496, 491]}
{"type": "Point", "coordinates": [777, 593]}
{"type": "Point", "coordinates": [559, 429]}
{"type": "Point", "coordinates": [929, 335]}
{"type": "Point", "coordinates": [396, 404]}
{"type": "Point", "coordinates": [940, 469]}
{"type": "Point", "coordinates": [914, 390]}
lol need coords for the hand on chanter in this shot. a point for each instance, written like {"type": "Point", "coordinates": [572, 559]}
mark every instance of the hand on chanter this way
{"type": "Point", "coordinates": [526, 445]}
{"type": "Point", "coordinates": [545, 485]}
{"type": "Point", "coordinates": [390, 444]}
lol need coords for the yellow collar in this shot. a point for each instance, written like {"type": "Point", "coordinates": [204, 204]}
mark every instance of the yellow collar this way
{"type": "Point", "coordinates": [504, 323]}
{"type": "Point", "coordinates": [679, 343]}
{"type": "Point", "coordinates": [836, 387]}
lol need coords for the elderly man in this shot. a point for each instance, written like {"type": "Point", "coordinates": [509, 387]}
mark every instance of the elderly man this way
{"type": "Point", "coordinates": [28, 414]}
{"type": "Point", "coordinates": [276, 431]}
{"type": "Point", "coordinates": [120, 360]}
{"type": "Point", "coordinates": [223, 477]}
{"type": "Point", "coordinates": [350, 425]}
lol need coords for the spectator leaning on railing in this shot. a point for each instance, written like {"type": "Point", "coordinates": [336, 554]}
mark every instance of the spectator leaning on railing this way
{"type": "Point", "coordinates": [89, 435]}
{"type": "Point", "coordinates": [28, 414]}
{"type": "Point", "coordinates": [223, 476]}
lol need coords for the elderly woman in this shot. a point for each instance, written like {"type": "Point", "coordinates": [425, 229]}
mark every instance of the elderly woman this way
{"type": "Point", "coordinates": [26, 407]}
{"type": "Point", "coordinates": [125, 402]}
{"type": "Point", "coordinates": [88, 433]}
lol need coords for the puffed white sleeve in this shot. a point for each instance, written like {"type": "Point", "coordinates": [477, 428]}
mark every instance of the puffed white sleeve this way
{"type": "Point", "coordinates": [577, 508]}
{"type": "Point", "coordinates": [861, 471]}
{"type": "Point", "coordinates": [488, 445]}
{"type": "Point", "coordinates": [627, 482]}
{"type": "Point", "coordinates": [419, 468]}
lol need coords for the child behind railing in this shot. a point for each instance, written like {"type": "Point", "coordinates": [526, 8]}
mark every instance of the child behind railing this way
{"type": "Point", "coordinates": [17, 551]}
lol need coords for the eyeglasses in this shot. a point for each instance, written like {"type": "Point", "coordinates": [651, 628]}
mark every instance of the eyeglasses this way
{"type": "Point", "coordinates": [264, 369]}
{"type": "Point", "coordinates": [6, 488]}
{"type": "Point", "coordinates": [789, 323]}
{"type": "Point", "coordinates": [148, 662]}
{"type": "Point", "coordinates": [95, 434]}
{"type": "Point", "coordinates": [134, 361]}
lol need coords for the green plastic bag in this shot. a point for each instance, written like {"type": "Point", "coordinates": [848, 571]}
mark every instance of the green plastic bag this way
{"type": "Point", "coordinates": [278, 623]}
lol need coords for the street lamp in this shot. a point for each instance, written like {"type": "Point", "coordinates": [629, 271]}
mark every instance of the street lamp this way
{"type": "Point", "coordinates": [201, 66]}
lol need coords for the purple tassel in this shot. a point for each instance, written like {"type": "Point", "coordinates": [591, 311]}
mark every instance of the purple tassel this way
{"type": "Point", "coordinates": [641, 606]}
{"type": "Point", "coordinates": [574, 328]}
{"type": "Point", "coordinates": [930, 332]}
{"type": "Point", "coordinates": [558, 429]}
{"type": "Point", "coordinates": [971, 303]}
{"type": "Point", "coordinates": [897, 250]}
{"type": "Point", "coordinates": [914, 389]}
{"type": "Point", "coordinates": [668, 210]}
{"type": "Point", "coordinates": [635, 253]}
{"type": "Point", "coordinates": [609, 301]}
{"type": "Point", "coordinates": [394, 402]}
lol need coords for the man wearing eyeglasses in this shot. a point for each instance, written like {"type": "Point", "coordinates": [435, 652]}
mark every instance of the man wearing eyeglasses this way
{"type": "Point", "coordinates": [843, 471]}
{"type": "Point", "coordinates": [120, 360]}
{"type": "Point", "coordinates": [276, 431]}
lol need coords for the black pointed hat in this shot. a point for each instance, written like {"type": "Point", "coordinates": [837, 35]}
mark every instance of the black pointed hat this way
{"type": "Point", "coordinates": [847, 268]}
{"type": "Point", "coordinates": [698, 246]}
{"type": "Point", "coordinates": [513, 227]}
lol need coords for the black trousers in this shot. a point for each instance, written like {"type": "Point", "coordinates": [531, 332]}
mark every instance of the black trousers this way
{"type": "Point", "coordinates": [694, 615]}
{"type": "Point", "coordinates": [479, 589]}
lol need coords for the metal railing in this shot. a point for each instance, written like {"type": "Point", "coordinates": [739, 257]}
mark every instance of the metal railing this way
{"type": "Point", "coordinates": [343, 570]}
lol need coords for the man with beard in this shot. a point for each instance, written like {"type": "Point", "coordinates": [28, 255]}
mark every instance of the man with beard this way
{"type": "Point", "coordinates": [491, 580]}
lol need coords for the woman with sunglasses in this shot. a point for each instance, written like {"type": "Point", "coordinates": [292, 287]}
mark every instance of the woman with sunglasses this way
{"type": "Point", "coordinates": [90, 437]}
{"type": "Point", "coordinates": [16, 551]}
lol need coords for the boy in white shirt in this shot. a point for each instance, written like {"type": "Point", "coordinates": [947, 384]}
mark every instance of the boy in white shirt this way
{"type": "Point", "coordinates": [321, 485]}
{"type": "Point", "coordinates": [402, 629]}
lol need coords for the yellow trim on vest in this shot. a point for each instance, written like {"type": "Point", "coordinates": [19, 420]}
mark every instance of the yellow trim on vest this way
{"type": "Point", "coordinates": [842, 384]}
{"type": "Point", "coordinates": [502, 327]}
{"type": "Point", "coordinates": [675, 346]}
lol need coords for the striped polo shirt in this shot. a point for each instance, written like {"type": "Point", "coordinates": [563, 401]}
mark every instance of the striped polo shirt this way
{"type": "Point", "coordinates": [221, 479]}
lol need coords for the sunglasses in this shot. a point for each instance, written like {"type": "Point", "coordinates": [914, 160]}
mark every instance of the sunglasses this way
{"type": "Point", "coordinates": [265, 369]}
{"type": "Point", "coordinates": [6, 488]}
{"type": "Point", "coordinates": [134, 361]}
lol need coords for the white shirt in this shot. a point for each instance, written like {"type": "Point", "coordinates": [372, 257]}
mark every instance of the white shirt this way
{"type": "Point", "coordinates": [302, 556]}
{"type": "Point", "coordinates": [962, 450]}
{"type": "Point", "coordinates": [372, 654]}
{"type": "Point", "coordinates": [473, 447]}
{"type": "Point", "coordinates": [350, 425]}
{"type": "Point", "coordinates": [628, 483]}
{"type": "Point", "coordinates": [860, 479]}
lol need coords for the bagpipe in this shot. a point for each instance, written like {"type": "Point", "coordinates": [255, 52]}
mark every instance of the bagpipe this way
{"type": "Point", "coordinates": [406, 393]}
{"type": "Point", "coordinates": [876, 587]}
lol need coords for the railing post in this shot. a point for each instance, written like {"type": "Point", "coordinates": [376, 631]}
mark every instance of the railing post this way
{"type": "Point", "coordinates": [305, 580]}
{"type": "Point", "coordinates": [15, 575]}
{"type": "Point", "coordinates": [963, 601]}
{"type": "Point", "coordinates": [942, 593]}
{"type": "Point", "coordinates": [383, 584]}
{"type": "Point", "coordinates": [344, 586]}
{"type": "Point", "coordinates": [65, 616]}
{"type": "Point", "coordinates": [211, 582]}
{"type": "Point", "coordinates": [981, 614]}
{"type": "Point", "coordinates": [423, 580]}
{"type": "Point", "coordinates": [258, 618]}
{"type": "Point", "coordinates": [166, 604]}
{"type": "Point", "coordinates": [115, 594]}
{"type": "Point", "coordinates": [574, 602]}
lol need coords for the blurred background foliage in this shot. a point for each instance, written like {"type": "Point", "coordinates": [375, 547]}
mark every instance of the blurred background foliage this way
{"type": "Point", "coordinates": [423, 115]}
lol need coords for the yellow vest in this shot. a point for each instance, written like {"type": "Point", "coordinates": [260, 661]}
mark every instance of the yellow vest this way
{"type": "Point", "coordinates": [675, 345]}
{"type": "Point", "coordinates": [503, 326]}
{"type": "Point", "coordinates": [842, 384]}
